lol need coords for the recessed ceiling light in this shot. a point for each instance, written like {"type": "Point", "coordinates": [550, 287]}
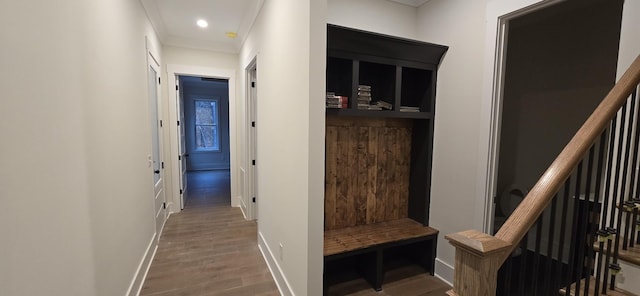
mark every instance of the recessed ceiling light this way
{"type": "Point", "coordinates": [202, 23]}
{"type": "Point", "coordinates": [231, 34]}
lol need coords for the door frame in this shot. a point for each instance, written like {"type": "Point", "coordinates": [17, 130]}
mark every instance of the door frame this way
{"type": "Point", "coordinates": [499, 13]}
{"type": "Point", "coordinates": [175, 203]}
{"type": "Point", "coordinates": [181, 147]}
{"type": "Point", "coordinates": [153, 63]}
{"type": "Point", "coordinates": [251, 133]}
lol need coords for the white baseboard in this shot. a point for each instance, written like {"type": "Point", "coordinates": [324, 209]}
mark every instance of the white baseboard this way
{"type": "Point", "coordinates": [143, 268]}
{"type": "Point", "coordinates": [272, 263]}
{"type": "Point", "coordinates": [444, 271]}
{"type": "Point", "coordinates": [242, 207]}
{"type": "Point", "coordinates": [236, 201]}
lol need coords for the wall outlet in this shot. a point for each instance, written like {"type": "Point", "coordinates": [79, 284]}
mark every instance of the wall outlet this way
{"type": "Point", "coordinates": [281, 252]}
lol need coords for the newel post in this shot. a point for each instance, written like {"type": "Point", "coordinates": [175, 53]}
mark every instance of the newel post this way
{"type": "Point", "coordinates": [478, 258]}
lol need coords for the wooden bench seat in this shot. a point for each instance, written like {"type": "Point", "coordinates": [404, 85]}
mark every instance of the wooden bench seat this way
{"type": "Point", "coordinates": [348, 239]}
{"type": "Point", "coordinates": [372, 241]}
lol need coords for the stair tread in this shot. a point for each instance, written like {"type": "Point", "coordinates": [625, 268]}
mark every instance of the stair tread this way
{"type": "Point", "coordinates": [631, 255]}
{"type": "Point", "coordinates": [592, 283]}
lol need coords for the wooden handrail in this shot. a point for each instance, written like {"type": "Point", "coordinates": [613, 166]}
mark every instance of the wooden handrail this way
{"type": "Point", "coordinates": [479, 256]}
{"type": "Point", "coordinates": [526, 214]}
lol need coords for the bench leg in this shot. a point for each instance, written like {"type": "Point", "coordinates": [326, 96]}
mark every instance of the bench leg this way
{"type": "Point", "coordinates": [370, 268]}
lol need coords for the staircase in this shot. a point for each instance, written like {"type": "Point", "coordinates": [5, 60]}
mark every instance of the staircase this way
{"type": "Point", "coordinates": [577, 232]}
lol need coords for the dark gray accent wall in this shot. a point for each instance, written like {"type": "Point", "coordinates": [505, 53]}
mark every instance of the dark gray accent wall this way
{"type": "Point", "coordinates": [561, 62]}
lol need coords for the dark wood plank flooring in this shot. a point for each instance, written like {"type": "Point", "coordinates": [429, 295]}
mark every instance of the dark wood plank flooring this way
{"type": "Point", "coordinates": [410, 280]}
{"type": "Point", "coordinates": [208, 248]}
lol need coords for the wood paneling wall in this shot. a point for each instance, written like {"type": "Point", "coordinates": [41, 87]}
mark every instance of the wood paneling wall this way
{"type": "Point", "coordinates": [367, 170]}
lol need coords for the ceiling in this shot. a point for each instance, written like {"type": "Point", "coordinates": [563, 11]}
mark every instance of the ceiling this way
{"type": "Point", "coordinates": [175, 21]}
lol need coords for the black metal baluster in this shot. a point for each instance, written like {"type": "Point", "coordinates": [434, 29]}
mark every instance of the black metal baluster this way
{"type": "Point", "coordinates": [611, 232]}
{"type": "Point", "coordinates": [607, 180]}
{"type": "Point", "coordinates": [563, 226]}
{"type": "Point", "coordinates": [523, 265]}
{"type": "Point", "coordinates": [536, 262]}
{"type": "Point", "coordinates": [601, 234]}
{"type": "Point", "coordinates": [602, 237]}
{"type": "Point", "coordinates": [507, 276]}
{"type": "Point", "coordinates": [548, 265]}
{"type": "Point", "coordinates": [616, 181]}
{"type": "Point", "coordinates": [629, 207]}
{"type": "Point", "coordinates": [585, 225]}
{"type": "Point", "coordinates": [574, 229]}
{"type": "Point", "coordinates": [634, 159]}
{"type": "Point", "coordinates": [634, 225]}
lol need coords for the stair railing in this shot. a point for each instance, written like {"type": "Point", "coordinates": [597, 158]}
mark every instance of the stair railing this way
{"type": "Point", "coordinates": [585, 180]}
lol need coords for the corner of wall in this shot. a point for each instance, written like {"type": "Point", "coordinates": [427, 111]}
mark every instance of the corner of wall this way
{"type": "Point", "coordinates": [444, 271]}
{"type": "Point", "coordinates": [278, 276]}
{"type": "Point", "coordinates": [143, 268]}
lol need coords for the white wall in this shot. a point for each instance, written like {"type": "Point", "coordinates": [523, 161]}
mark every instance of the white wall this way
{"type": "Point", "coordinates": [458, 24]}
{"type": "Point", "coordinates": [44, 221]}
{"type": "Point", "coordinates": [77, 210]}
{"type": "Point", "coordinates": [118, 138]}
{"type": "Point", "coordinates": [379, 16]}
{"type": "Point", "coordinates": [177, 56]}
{"type": "Point", "coordinates": [289, 42]}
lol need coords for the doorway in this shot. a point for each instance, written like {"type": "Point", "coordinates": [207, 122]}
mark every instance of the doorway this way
{"type": "Point", "coordinates": [560, 63]}
{"type": "Point", "coordinates": [204, 107]}
{"type": "Point", "coordinates": [178, 130]}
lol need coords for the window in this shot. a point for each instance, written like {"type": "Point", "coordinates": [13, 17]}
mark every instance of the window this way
{"type": "Point", "coordinates": [207, 133]}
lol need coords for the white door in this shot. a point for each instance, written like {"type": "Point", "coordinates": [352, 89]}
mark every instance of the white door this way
{"type": "Point", "coordinates": [182, 154]}
{"type": "Point", "coordinates": [155, 158]}
{"type": "Point", "coordinates": [251, 198]}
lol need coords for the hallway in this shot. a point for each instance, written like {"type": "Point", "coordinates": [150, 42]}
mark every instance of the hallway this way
{"type": "Point", "coordinates": [208, 248]}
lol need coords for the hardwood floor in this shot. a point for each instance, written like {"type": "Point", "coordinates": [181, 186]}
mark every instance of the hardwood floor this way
{"type": "Point", "coordinates": [208, 248]}
{"type": "Point", "coordinates": [409, 280]}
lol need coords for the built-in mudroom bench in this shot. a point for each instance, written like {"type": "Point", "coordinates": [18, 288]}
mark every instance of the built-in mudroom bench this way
{"type": "Point", "coordinates": [379, 141]}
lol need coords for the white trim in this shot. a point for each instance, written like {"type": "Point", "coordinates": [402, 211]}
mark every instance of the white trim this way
{"type": "Point", "coordinates": [498, 14]}
{"type": "Point", "coordinates": [145, 264]}
{"type": "Point", "coordinates": [235, 202]}
{"type": "Point", "coordinates": [274, 268]}
{"type": "Point", "coordinates": [251, 173]}
{"type": "Point", "coordinates": [230, 75]}
{"type": "Point", "coordinates": [444, 272]}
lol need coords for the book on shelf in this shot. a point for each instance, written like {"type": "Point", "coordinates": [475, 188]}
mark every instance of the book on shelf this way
{"type": "Point", "coordinates": [382, 105]}
{"type": "Point", "coordinates": [409, 109]}
{"type": "Point", "coordinates": [334, 101]}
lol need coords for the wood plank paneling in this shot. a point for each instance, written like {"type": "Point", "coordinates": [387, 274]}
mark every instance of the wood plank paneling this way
{"type": "Point", "coordinates": [342, 178]}
{"type": "Point", "coordinates": [331, 177]}
{"type": "Point", "coordinates": [382, 199]}
{"type": "Point", "coordinates": [363, 176]}
{"type": "Point", "coordinates": [372, 174]}
{"type": "Point", "coordinates": [367, 170]}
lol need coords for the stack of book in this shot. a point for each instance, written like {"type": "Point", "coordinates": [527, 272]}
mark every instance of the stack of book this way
{"type": "Point", "coordinates": [364, 96]}
{"type": "Point", "coordinates": [409, 109]}
{"type": "Point", "coordinates": [336, 102]}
